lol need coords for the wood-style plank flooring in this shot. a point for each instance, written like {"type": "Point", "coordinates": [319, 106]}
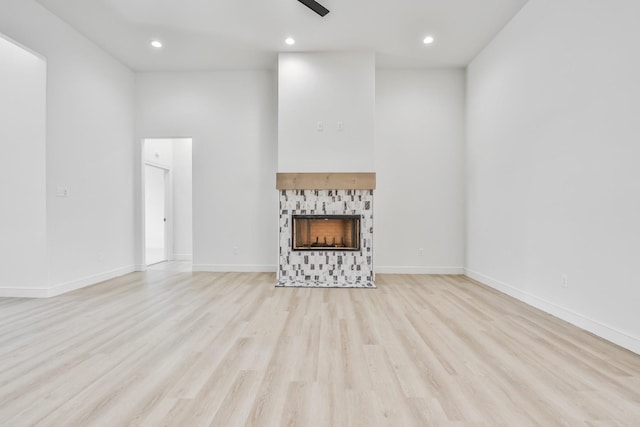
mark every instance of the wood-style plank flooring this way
{"type": "Point", "coordinates": [229, 349]}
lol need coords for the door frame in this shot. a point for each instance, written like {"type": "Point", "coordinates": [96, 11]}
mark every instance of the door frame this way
{"type": "Point", "coordinates": [140, 199]}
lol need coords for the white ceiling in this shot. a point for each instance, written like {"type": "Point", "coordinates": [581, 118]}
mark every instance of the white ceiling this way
{"type": "Point", "coordinates": [211, 34]}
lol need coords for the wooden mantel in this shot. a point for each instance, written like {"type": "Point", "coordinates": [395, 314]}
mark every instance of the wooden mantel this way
{"type": "Point", "coordinates": [326, 181]}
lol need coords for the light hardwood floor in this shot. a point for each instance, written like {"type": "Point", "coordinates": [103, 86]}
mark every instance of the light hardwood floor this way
{"type": "Point", "coordinates": [229, 349]}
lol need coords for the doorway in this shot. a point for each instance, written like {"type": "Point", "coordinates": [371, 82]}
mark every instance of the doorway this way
{"type": "Point", "coordinates": [167, 200]}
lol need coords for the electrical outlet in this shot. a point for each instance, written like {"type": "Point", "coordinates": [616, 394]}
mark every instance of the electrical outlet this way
{"type": "Point", "coordinates": [421, 251]}
{"type": "Point", "coordinates": [564, 281]}
{"type": "Point", "coordinates": [236, 250]}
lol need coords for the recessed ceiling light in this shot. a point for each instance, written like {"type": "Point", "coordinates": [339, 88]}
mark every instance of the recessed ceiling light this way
{"type": "Point", "coordinates": [156, 43]}
{"type": "Point", "coordinates": [290, 41]}
{"type": "Point", "coordinates": [428, 40]}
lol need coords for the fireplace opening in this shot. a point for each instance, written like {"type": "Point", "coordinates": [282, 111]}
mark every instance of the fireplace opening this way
{"type": "Point", "coordinates": [326, 232]}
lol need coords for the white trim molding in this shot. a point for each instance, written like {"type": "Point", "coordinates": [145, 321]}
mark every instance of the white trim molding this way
{"type": "Point", "coordinates": [384, 269]}
{"type": "Point", "coordinates": [63, 288]}
{"type": "Point", "coordinates": [24, 292]}
{"type": "Point", "coordinates": [235, 268]}
{"type": "Point", "coordinates": [606, 332]}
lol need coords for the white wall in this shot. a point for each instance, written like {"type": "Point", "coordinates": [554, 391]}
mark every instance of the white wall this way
{"type": "Point", "coordinates": [231, 116]}
{"type": "Point", "coordinates": [159, 151]}
{"type": "Point", "coordinates": [419, 151]}
{"type": "Point", "coordinates": [553, 176]}
{"type": "Point", "coordinates": [23, 217]}
{"type": "Point", "coordinates": [327, 87]}
{"type": "Point", "coordinates": [182, 200]}
{"type": "Point", "coordinates": [90, 149]}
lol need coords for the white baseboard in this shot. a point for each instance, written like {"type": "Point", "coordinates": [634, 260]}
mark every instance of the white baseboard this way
{"type": "Point", "coordinates": [235, 268]}
{"type": "Point", "coordinates": [140, 267]}
{"type": "Point", "coordinates": [73, 285]}
{"type": "Point", "coordinates": [383, 269]}
{"type": "Point", "coordinates": [24, 292]}
{"type": "Point", "coordinates": [63, 288]}
{"type": "Point", "coordinates": [182, 257]}
{"type": "Point", "coordinates": [598, 328]}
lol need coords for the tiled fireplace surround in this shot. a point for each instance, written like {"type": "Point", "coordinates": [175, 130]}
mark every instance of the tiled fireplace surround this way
{"type": "Point", "coordinates": [323, 268]}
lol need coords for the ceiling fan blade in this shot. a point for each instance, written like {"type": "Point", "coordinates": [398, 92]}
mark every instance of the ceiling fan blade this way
{"type": "Point", "coordinates": [315, 6]}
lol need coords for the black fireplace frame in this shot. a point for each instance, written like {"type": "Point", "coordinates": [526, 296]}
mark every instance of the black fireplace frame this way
{"type": "Point", "coordinates": [357, 234]}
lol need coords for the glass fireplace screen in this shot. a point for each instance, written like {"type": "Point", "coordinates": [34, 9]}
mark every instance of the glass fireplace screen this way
{"type": "Point", "coordinates": [326, 232]}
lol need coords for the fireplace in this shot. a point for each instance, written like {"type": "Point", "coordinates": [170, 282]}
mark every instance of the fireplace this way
{"type": "Point", "coordinates": [325, 232]}
{"type": "Point", "coordinates": [326, 229]}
